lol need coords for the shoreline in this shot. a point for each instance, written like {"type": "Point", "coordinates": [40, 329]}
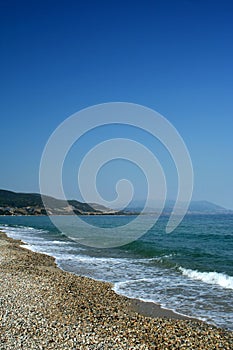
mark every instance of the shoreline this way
{"type": "Point", "coordinates": [143, 307]}
{"type": "Point", "coordinates": [92, 311]}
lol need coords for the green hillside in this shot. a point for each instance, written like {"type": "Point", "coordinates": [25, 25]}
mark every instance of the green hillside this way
{"type": "Point", "coordinates": [10, 199]}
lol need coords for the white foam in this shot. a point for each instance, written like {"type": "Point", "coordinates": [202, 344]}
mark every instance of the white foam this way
{"type": "Point", "coordinates": [216, 278]}
{"type": "Point", "coordinates": [60, 242]}
{"type": "Point", "coordinates": [20, 230]}
{"type": "Point", "coordinates": [30, 247]}
{"type": "Point", "coordinates": [134, 281]}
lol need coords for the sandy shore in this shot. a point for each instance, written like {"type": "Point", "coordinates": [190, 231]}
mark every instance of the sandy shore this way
{"type": "Point", "coordinates": [43, 307]}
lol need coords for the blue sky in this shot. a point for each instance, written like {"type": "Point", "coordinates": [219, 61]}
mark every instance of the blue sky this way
{"type": "Point", "coordinates": [58, 57]}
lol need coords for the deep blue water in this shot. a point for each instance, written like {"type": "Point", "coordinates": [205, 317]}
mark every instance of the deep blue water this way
{"type": "Point", "coordinates": [189, 270]}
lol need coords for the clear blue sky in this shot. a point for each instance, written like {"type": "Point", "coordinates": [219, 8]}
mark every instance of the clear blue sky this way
{"type": "Point", "coordinates": [176, 57]}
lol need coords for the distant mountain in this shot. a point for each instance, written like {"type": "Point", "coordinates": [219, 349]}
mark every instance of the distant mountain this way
{"type": "Point", "coordinates": [207, 207]}
{"type": "Point", "coordinates": [13, 203]}
{"type": "Point", "coordinates": [195, 207]}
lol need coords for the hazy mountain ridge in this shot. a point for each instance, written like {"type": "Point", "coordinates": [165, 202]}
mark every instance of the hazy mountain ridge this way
{"type": "Point", "coordinates": [195, 207]}
{"type": "Point", "coordinates": [14, 203]}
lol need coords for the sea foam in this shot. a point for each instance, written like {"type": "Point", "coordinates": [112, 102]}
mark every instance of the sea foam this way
{"type": "Point", "coordinates": [216, 278]}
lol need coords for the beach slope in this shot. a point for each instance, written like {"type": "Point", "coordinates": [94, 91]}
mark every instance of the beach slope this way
{"type": "Point", "coordinates": [43, 307]}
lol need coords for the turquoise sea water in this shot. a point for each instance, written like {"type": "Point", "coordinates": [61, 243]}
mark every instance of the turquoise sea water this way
{"type": "Point", "coordinates": [189, 270]}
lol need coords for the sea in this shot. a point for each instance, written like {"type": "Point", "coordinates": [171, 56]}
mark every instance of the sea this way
{"type": "Point", "coordinates": [189, 271]}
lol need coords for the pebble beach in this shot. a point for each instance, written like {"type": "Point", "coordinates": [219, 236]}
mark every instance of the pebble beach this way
{"type": "Point", "coordinates": [43, 307]}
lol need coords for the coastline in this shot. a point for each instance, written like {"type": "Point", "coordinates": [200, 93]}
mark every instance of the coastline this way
{"type": "Point", "coordinates": [44, 307]}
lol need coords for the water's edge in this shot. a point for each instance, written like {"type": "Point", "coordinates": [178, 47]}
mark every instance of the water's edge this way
{"type": "Point", "coordinates": [184, 273]}
{"type": "Point", "coordinates": [143, 307]}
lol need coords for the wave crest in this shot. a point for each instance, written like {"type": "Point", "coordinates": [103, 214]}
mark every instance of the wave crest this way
{"type": "Point", "coordinates": [216, 278]}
